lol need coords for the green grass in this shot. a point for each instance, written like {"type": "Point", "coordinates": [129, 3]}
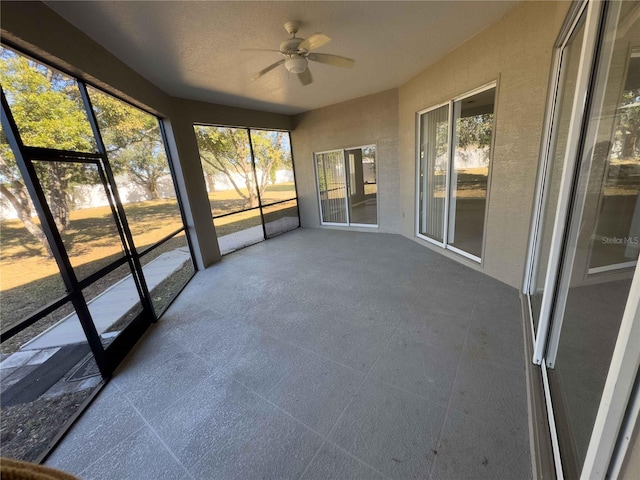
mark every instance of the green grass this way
{"type": "Point", "coordinates": [29, 280]}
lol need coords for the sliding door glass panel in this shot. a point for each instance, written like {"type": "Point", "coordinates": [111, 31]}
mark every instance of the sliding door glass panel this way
{"type": "Point", "coordinates": [46, 104]}
{"type": "Point", "coordinates": [616, 238]}
{"type": "Point", "coordinates": [555, 161]}
{"type": "Point", "coordinates": [332, 186]}
{"type": "Point", "coordinates": [363, 203]}
{"type": "Point", "coordinates": [473, 131]}
{"type": "Point", "coordinates": [78, 200]}
{"type": "Point", "coordinates": [136, 152]}
{"type": "Point", "coordinates": [434, 158]}
{"type": "Point", "coordinates": [280, 217]}
{"type": "Point", "coordinates": [274, 165]}
{"type": "Point", "coordinates": [605, 212]}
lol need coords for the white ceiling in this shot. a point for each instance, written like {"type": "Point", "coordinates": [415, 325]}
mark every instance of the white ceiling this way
{"type": "Point", "coordinates": [194, 49]}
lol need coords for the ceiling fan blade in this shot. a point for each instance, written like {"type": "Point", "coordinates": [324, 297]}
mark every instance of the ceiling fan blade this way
{"type": "Point", "coordinates": [305, 77]}
{"type": "Point", "coordinates": [267, 70]}
{"type": "Point", "coordinates": [335, 60]}
{"type": "Point", "coordinates": [314, 42]}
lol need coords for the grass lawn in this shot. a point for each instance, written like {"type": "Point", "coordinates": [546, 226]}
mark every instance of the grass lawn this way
{"type": "Point", "coordinates": [29, 280]}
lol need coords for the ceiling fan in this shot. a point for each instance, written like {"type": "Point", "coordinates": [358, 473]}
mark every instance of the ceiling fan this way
{"type": "Point", "coordinates": [298, 51]}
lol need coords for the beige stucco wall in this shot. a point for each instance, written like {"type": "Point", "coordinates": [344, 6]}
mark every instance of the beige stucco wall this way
{"type": "Point", "coordinates": [517, 52]}
{"type": "Point", "coordinates": [363, 121]}
{"type": "Point", "coordinates": [631, 465]}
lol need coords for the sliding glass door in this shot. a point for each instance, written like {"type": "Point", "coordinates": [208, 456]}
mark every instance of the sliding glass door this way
{"type": "Point", "coordinates": [433, 168]}
{"type": "Point", "coordinates": [454, 157]}
{"type": "Point", "coordinates": [347, 186]}
{"type": "Point", "coordinates": [586, 232]}
{"type": "Point", "coordinates": [332, 187]}
{"type": "Point", "coordinates": [564, 88]}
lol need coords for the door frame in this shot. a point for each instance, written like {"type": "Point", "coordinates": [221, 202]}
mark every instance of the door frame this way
{"type": "Point", "coordinates": [346, 172]}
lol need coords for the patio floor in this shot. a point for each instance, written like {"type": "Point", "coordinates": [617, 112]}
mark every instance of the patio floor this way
{"type": "Point", "coordinates": [319, 354]}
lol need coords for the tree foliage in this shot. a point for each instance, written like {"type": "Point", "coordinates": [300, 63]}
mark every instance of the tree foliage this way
{"type": "Point", "coordinates": [227, 151]}
{"type": "Point", "coordinates": [133, 141]}
{"type": "Point", "coordinates": [628, 131]}
{"type": "Point", "coordinates": [474, 131]}
{"type": "Point", "coordinates": [48, 111]}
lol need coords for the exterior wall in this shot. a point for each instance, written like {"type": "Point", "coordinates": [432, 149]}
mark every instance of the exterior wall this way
{"type": "Point", "coordinates": [516, 51]}
{"type": "Point", "coordinates": [631, 465]}
{"type": "Point", "coordinates": [363, 121]}
{"type": "Point", "coordinates": [36, 29]}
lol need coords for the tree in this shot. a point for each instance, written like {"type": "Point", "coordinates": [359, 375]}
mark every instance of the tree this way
{"type": "Point", "coordinates": [132, 140]}
{"type": "Point", "coordinates": [48, 111]}
{"type": "Point", "coordinates": [475, 131]}
{"type": "Point", "coordinates": [227, 151]}
{"type": "Point", "coordinates": [629, 124]}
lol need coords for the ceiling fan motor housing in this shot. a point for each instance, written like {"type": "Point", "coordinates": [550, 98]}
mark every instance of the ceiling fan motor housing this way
{"type": "Point", "coordinates": [290, 46]}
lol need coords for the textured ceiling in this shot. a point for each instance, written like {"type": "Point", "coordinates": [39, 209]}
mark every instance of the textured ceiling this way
{"type": "Point", "coordinates": [195, 49]}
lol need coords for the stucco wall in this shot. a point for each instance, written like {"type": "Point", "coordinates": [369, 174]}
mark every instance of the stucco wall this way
{"type": "Point", "coordinates": [517, 52]}
{"type": "Point", "coordinates": [363, 121]}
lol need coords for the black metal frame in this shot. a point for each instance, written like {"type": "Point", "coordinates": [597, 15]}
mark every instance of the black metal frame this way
{"type": "Point", "coordinates": [107, 358]}
{"type": "Point", "coordinates": [52, 234]}
{"type": "Point", "coordinates": [261, 206]}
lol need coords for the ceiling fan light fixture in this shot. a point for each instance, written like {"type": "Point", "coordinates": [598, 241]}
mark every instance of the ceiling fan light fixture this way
{"type": "Point", "coordinates": [296, 64]}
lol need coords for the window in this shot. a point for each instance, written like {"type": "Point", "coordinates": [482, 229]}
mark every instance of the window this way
{"type": "Point", "coordinates": [93, 244]}
{"type": "Point", "coordinates": [454, 158]}
{"type": "Point", "coordinates": [347, 186]}
{"type": "Point", "coordinates": [251, 183]}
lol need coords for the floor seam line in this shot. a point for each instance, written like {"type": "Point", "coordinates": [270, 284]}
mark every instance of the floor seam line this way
{"type": "Point", "coordinates": [163, 443]}
{"type": "Point", "coordinates": [333, 427]}
{"type": "Point", "coordinates": [455, 378]}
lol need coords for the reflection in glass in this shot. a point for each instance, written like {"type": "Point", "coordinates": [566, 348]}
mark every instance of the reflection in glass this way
{"type": "Point", "coordinates": [274, 165]}
{"type": "Point", "coordinates": [363, 187]}
{"type": "Point", "coordinates": [238, 230]}
{"type": "Point", "coordinates": [473, 121]}
{"type": "Point", "coordinates": [604, 221]}
{"type": "Point", "coordinates": [281, 217]}
{"type": "Point", "coordinates": [137, 156]}
{"type": "Point", "coordinates": [332, 186]}
{"type": "Point", "coordinates": [46, 104]}
{"type": "Point", "coordinates": [434, 158]}
{"type": "Point", "coordinates": [616, 239]}
{"type": "Point", "coordinates": [167, 269]}
{"type": "Point", "coordinates": [564, 104]}
{"type": "Point", "coordinates": [78, 201]}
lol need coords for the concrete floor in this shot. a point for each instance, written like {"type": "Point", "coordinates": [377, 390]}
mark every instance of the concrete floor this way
{"type": "Point", "coordinates": [319, 354]}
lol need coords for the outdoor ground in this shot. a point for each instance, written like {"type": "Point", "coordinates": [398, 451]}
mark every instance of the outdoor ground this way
{"type": "Point", "coordinates": [29, 280]}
